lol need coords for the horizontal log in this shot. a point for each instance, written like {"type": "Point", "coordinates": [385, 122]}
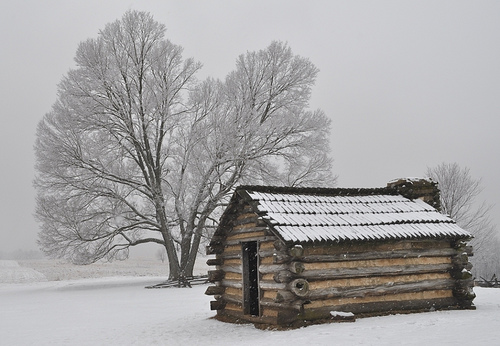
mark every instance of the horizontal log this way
{"type": "Point", "coordinates": [237, 316]}
{"type": "Point", "coordinates": [214, 249]}
{"type": "Point", "coordinates": [373, 255]}
{"type": "Point", "coordinates": [266, 253]}
{"type": "Point", "coordinates": [381, 262]}
{"type": "Point", "coordinates": [339, 273]}
{"type": "Point", "coordinates": [244, 236]}
{"type": "Point", "coordinates": [266, 261]}
{"type": "Point", "coordinates": [379, 308]}
{"type": "Point", "coordinates": [229, 268]}
{"type": "Point", "coordinates": [214, 290]}
{"type": "Point", "coordinates": [231, 283]}
{"type": "Point", "coordinates": [214, 261]}
{"type": "Point", "coordinates": [378, 290]}
{"type": "Point", "coordinates": [279, 258]}
{"type": "Point", "coordinates": [232, 299]}
{"type": "Point", "coordinates": [284, 276]}
{"type": "Point", "coordinates": [285, 296]}
{"type": "Point", "coordinates": [271, 285]}
{"type": "Point", "coordinates": [245, 225]}
{"type": "Point", "coordinates": [267, 245]}
{"type": "Point", "coordinates": [231, 255]}
{"type": "Point", "coordinates": [362, 247]}
{"type": "Point", "coordinates": [217, 305]}
{"type": "Point", "coordinates": [248, 219]}
{"type": "Point", "coordinates": [376, 280]}
{"type": "Point", "coordinates": [233, 276]}
{"type": "Point", "coordinates": [458, 274]}
{"type": "Point", "coordinates": [296, 305]}
{"type": "Point", "coordinates": [237, 242]}
{"type": "Point", "coordinates": [421, 295]}
{"type": "Point", "coordinates": [215, 275]}
{"type": "Point", "coordinates": [272, 268]}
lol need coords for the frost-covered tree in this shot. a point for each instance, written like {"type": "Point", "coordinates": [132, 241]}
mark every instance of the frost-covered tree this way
{"type": "Point", "coordinates": [136, 150]}
{"type": "Point", "coordinates": [459, 192]}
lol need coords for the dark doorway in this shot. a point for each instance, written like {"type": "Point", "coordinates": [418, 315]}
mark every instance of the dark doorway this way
{"type": "Point", "coordinates": [250, 278]}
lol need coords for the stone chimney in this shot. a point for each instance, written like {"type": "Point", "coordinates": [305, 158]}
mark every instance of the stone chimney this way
{"type": "Point", "coordinates": [422, 188]}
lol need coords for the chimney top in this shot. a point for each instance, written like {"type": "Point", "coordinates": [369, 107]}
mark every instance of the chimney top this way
{"type": "Point", "coordinates": [422, 188]}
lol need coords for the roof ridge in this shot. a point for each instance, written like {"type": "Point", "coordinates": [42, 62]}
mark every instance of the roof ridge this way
{"type": "Point", "coordinates": [321, 191]}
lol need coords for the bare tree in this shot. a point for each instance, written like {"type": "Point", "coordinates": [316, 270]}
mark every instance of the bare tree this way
{"type": "Point", "coordinates": [161, 254]}
{"type": "Point", "coordinates": [459, 192]}
{"type": "Point", "coordinates": [135, 150]}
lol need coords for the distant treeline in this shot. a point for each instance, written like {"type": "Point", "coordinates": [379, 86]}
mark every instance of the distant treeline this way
{"type": "Point", "coordinates": [21, 255]}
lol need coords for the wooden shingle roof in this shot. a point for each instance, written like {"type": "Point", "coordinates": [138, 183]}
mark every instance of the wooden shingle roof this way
{"type": "Point", "coordinates": [309, 215]}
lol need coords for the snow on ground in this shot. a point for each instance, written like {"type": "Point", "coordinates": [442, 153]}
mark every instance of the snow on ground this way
{"type": "Point", "coordinates": [12, 272]}
{"type": "Point", "coordinates": [120, 311]}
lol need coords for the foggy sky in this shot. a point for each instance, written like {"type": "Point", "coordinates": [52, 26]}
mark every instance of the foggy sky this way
{"type": "Point", "coordinates": [407, 84]}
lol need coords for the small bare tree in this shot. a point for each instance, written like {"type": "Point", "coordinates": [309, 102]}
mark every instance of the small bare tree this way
{"type": "Point", "coordinates": [459, 192]}
{"type": "Point", "coordinates": [161, 254]}
{"type": "Point", "coordinates": [136, 150]}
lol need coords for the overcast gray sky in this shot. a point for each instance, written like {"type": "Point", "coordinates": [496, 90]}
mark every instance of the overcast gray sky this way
{"type": "Point", "coordinates": [407, 84]}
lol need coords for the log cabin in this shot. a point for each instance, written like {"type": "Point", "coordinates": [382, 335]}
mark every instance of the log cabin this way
{"type": "Point", "coordinates": [288, 257]}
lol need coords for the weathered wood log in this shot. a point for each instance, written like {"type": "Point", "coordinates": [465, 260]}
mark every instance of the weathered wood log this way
{"type": "Point", "coordinates": [339, 273]}
{"type": "Point", "coordinates": [217, 305]}
{"type": "Point", "coordinates": [344, 248]}
{"type": "Point", "coordinates": [266, 253]}
{"type": "Point", "coordinates": [214, 261]}
{"type": "Point", "coordinates": [284, 276]}
{"type": "Point", "coordinates": [233, 299]}
{"type": "Point", "coordinates": [272, 268]}
{"type": "Point", "coordinates": [280, 245]}
{"type": "Point", "coordinates": [463, 284]}
{"type": "Point", "coordinates": [214, 249]}
{"type": "Point", "coordinates": [214, 290]}
{"type": "Point", "coordinates": [463, 274]}
{"type": "Point", "coordinates": [379, 290]}
{"type": "Point", "coordinates": [285, 296]}
{"type": "Point", "coordinates": [237, 242]}
{"type": "Point", "coordinates": [372, 255]}
{"type": "Point", "coordinates": [296, 305]}
{"type": "Point", "coordinates": [297, 267]}
{"type": "Point", "coordinates": [468, 250]}
{"type": "Point", "coordinates": [231, 283]}
{"type": "Point", "coordinates": [279, 258]}
{"type": "Point", "coordinates": [377, 308]}
{"type": "Point", "coordinates": [296, 251]}
{"type": "Point", "coordinates": [231, 255]}
{"type": "Point", "coordinates": [271, 285]}
{"type": "Point", "coordinates": [215, 275]}
{"type": "Point", "coordinates": [465, 293]}
{"type": "Point", "coordinates": [299, 287]}
{"type": "Point", "coordinates": [460, 259]}
{"type": "Point", "coordinates": [230, 268]}
{"type": "Point", "coordinates": [242, 219]}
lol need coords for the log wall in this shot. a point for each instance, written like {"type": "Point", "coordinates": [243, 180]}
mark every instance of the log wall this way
{"type": "Point", "coordinates": [228, 289]}
{"type": "Point", "coordinates": [376, 278]}
{"type": "Point", "coordinates": [300, 283]}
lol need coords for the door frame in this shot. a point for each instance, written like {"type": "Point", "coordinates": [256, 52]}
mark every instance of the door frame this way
{"type": "Point", "coordinates": [250, 272]}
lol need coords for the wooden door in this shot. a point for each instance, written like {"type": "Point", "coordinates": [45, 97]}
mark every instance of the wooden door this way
{"type": "Point", "coordinates": [250, 278]}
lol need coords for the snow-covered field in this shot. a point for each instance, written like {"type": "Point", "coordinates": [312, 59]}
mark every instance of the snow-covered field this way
{"type": "Point", "coordinates": [116, 309]}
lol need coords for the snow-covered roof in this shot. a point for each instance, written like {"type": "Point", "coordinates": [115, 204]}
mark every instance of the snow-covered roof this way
{"type": "Point", "coordinates": [304, 215]}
